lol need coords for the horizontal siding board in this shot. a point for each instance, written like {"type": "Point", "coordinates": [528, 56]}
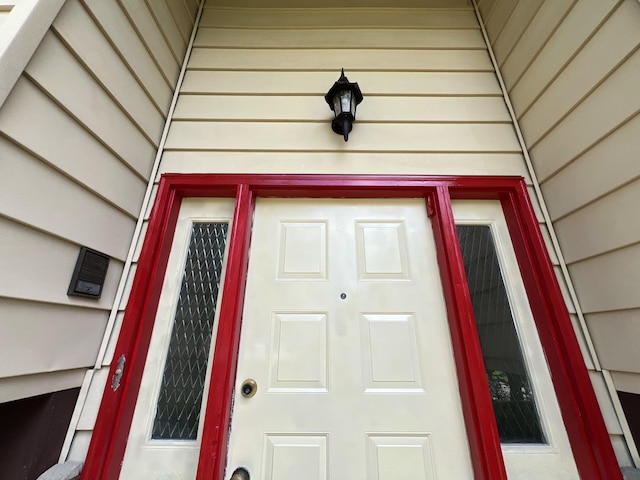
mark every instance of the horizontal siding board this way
{"type": "Point", "coordinates": [534, 38]}
{"type": "Point", "coordinates": [39, 275]}
{"type": "Point", "coordinates": [317, 136]}
{"type": "Point", "coordinates": [616, 334]}
{"type": "Point", "coordinates": [580, 23]}
{"type": "Point", "coordinates": [521, 16]}
{"type": "Point", "coordinates": [111, 18]}
{"type": "Point", "coordinates": [67, 337]}
{"type": "Point", "coordinates": [170, 31]}
{"type": "Point", "coordinates": [339, 18]}
{"type": "Point", "coordinates": [345, 162]}
{"type": "Point", "coordinates": [608, 282]}
{"type": "Point", "coordinates": [603, 225]}
{"type": "Point", "coordinates": [611, 163]}
{"type": "Point", "coordinates": [15, 388]}
{"type": "Point", "coordinates": [55, 69]}
{"type": "Point", "coordinates": [594, 118]}
{"type": "Point", "coordinates": [150, 33]}
{"type": "Point", "coordinates": [317, 83]}
{"type": "Point", "coordinates": [627, 381]}
{"type": "Point", "coordinates": [60, 206]}
{"type": "Point", "coordinates": [63, 143]}
{"type": "Point", "coordinates": [338, 38]}
{"type": "Point", "coordinates": [311, 108]}
{"type": "Point", "coordinates": [78, 30]}
{"type": "Point", "coordinates": [351, 59]}
{"type": "Point", "coordinates": [609, 46]}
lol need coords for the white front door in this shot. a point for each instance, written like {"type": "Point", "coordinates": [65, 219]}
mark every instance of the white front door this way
{"type": "Point", "coordinates": [345, 334]}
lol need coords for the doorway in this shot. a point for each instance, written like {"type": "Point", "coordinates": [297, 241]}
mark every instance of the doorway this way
{"type": "Point", "coordinates": [398, 325]}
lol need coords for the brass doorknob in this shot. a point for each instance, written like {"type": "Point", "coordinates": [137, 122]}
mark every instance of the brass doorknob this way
{"type": "Point", "coordinates": [240, 474]}
{"type": "Point", "coordinates": [249, 388]}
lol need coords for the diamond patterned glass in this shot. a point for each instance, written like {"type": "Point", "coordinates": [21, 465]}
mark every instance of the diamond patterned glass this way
{"type": "Point", "coordinates": [513, 400]}
{"type": "Point", "coordinates": [180, 398]}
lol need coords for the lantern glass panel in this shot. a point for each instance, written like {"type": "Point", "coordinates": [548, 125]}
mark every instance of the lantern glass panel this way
{"type": "Point", "coordinates": [345, 98]}
{"type": "Point", "coordinates": [337, 110]}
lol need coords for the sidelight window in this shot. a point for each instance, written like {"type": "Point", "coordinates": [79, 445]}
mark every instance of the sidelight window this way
{"type": "Point", "coordinates": [182, 388]}
{"type": "Point", "coordinates": [509, 382]}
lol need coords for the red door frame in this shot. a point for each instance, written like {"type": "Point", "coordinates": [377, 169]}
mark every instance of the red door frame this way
{"type": "Point", "coordinates": [582, 417]}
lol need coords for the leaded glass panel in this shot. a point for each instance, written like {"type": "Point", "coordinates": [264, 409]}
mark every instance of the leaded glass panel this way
{"type": "Point", "coordinates": [181, 391]}
{"type": "Point", "coordinates": [509, 383]}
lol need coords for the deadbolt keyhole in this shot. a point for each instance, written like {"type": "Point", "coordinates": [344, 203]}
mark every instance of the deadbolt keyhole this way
{"type": "Point", "coordinates": [249, 388]}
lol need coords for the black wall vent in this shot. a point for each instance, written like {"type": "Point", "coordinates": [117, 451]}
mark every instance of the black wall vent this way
{"type": "Point", "coordinates": [89, 274]}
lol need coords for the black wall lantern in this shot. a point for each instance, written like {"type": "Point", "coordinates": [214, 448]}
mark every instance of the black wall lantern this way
{"type": "Point", "coordinates": [343, 98]}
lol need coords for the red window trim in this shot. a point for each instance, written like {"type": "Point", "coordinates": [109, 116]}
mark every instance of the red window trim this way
{"type": "Point", "coordinates": [583, 419]}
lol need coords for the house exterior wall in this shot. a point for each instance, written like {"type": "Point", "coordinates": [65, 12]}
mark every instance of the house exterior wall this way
{"type": "Point", "coordinates": [79, 131]}
{"type": "Point", "coordinates": [252, 102]}
{"type": "Point", "coordinates": [571, 69]}
{"type": "Point", "coordinates": [82, 125]}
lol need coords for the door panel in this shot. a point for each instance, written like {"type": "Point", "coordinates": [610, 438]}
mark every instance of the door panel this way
{"type": "Point", "coordinates": [346, 335]}
{"type": "Point", "coordinates": [164, 439]}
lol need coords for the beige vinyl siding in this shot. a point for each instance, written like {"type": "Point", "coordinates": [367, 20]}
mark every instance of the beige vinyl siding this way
{"type": "Point", "coordinates": [252, 102]}
{"type": "Point", "coordinates": [572, 69]}
{"type": "Point", "coordinates": [78, 136]}
{"type": "Point", "coordinates": [382, 18]}
{"type": "Point", "coordinates": [252, 99]}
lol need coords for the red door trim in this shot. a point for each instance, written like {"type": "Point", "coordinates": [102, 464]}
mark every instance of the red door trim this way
{"type": "Point", "coordinates": [484, 440]}
{"type": "Point", "coordinates": [570, 377]}
{"type": "Point", "coordinates": [581, 414]}
{"type": "Point", "coordinates": [217, 417]}
{"type": "Point", "coordinates": [116, 409]}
